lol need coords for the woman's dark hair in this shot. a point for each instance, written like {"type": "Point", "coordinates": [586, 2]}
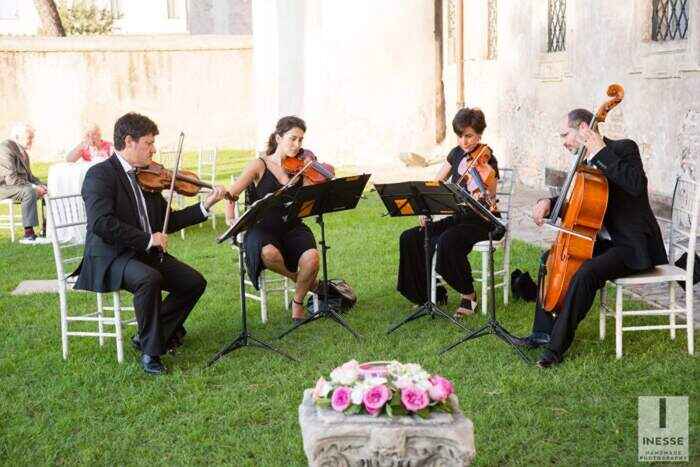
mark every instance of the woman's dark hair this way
{"type": "Point", "coordinates": [134, 125]}
{"type": "Point", "coordinates": [469, 117]}
{"type": "Point", "coordinates": [283, 126]}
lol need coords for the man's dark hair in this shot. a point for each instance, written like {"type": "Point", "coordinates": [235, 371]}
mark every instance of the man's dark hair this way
{"type": "Point", "coordinates": [469, 117]}
{"type": "Point", "coordinates": [134, 125]}
{"type": "Point", "coordinates": [577, 116]}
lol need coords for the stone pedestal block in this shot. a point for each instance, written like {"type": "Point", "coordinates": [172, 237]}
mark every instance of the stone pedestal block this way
{"type": "Point", "coordinates": [334, 439]}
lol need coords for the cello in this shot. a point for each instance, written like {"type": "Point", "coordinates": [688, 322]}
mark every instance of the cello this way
{"type": "Point", "coordinates": [582, 218]}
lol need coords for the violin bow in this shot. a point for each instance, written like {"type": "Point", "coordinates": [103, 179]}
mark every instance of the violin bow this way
{"type": "Point", "coordinates": [172, 189]}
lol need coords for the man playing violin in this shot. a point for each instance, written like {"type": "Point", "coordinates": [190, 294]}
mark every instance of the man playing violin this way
{"type": "Point", "coordinates": [125, 247]}
{"type": "Point", "coordinates": [629, 242]}
{"type": "Point", "coordinates": [453, 237]}
{"type": "Point", "coordinates": [285, 246]}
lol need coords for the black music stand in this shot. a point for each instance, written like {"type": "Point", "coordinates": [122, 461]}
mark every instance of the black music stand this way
{"type": "Point", "coordinates": [426, 199]}
{"type": "Point", "coordinates": [251, 217]}
{"type": "Point", "coordinates": [338, 194]}
{"type": "Point", "coordinates": [496, 229]}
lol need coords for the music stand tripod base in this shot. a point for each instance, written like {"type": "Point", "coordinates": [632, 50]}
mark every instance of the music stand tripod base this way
{"type": "Point", "coordinates": [314, 200]}
{"type": "Point", "coordinates": [492, 326]}
{"type": "Point", "coordinates": [245, 338]}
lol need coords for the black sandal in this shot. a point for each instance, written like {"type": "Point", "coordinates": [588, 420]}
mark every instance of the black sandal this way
{"type": "Point", "coordinates": [467, 304]}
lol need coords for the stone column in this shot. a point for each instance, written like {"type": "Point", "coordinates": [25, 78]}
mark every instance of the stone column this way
{"type": "Point", "coordinates": [278, 63]}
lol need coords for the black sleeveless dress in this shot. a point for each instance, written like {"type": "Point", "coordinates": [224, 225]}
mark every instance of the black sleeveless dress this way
{"type": "Point", "coordinates": [453, 237]}
{"type": "Point", "coordinates": [291, 238]}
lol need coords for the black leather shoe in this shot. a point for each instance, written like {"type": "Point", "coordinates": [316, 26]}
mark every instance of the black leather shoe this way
{"type": "Point", "coordinates": [532, 341]}
{"type": "Point", "coordinates": [548, 359]}
{"type": "Point", "coordinates": [136, 342]}
{"type": "Point", "coordinates": [152, 365]}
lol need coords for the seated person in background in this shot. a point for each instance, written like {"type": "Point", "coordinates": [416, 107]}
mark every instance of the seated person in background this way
{"type": "Point", "coordinates": [92, 148]}
{"type": "Point", "coordinates": [17, 181]}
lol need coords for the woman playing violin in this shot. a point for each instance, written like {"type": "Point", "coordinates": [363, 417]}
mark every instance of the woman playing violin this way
{"type": "Point", "coordinates": [453, 237]}
{"type": "Point", "coordinates": [285, 247]}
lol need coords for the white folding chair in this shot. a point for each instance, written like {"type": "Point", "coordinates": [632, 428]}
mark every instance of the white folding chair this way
{"type": "Point", "coordinates": [13, 219]}
{"type": "Point", "coordinates": [66, 213]}
{"type": "Point", "coordinates": [267, 284]}
{"type": "Point", "coordinates": [206, 171]}
{"type": "Point", "coordinates": [505, 190]}
{"type": "Point", "coordinates": [682, 238]}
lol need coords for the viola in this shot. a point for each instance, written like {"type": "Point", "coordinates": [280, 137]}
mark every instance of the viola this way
{"type": "Point", "coordinates": [307, 165]}
{"type": "Point", "coordinates": [156, 178]}
{"type": "Point", "coordinates": [478, 177]}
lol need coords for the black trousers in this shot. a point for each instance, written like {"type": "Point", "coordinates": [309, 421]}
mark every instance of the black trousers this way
{"type": "Point", "coordinates": [607, 265]}
{"type": "Point", "coordinates": [146, 277]}
{"type": "Point", "coordinates": [454, 240]}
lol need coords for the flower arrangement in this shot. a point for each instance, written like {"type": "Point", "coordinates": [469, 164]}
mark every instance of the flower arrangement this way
{"type": "Point", "coordinates": [392, 388]}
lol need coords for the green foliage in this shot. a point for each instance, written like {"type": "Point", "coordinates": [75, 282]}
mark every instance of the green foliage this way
{"type": "Point", "coordinates": [243, 410]}
{"type": "Point", "coordinates": [84, 18]}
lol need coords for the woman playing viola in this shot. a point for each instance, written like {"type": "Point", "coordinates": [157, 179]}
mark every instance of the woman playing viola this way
{"type": "Point", "coordinates": [453, 237]}
{"type": "Point", "coordinates": [285, 247]}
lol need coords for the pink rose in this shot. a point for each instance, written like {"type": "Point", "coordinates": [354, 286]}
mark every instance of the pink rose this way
{"type": "Point", "coordinates": [322, 389]}
{"type": "Point", "coordinates": [375, 398]}
{"type": "Point", "coordinates": [441, 388]}
{"type": "Point", "coordinates": [414, 399]}
{"type": "Point", "coordinates": [341, 398]}
{"type": "Point", "coordinates": [373, 411]}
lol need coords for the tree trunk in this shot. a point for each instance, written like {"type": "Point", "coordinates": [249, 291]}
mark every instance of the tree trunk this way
{"type": "Point", "coordinates": [439, 85]}
{"type": "Point", "coordinates": [50, 20]}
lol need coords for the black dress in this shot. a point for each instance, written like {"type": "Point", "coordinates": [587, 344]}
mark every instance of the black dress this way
{"type": "Point", "coordinates": [291, 238]}
{"type": "Point", "coordinates": [454, 237]}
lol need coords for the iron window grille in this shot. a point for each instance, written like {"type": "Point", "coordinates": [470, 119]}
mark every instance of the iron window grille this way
{"type": "Point", "coordinates": [669, 20]}
{"type": "Point", "coordinates": [556, 30]}
{"type": "Point", "coordinates": [492, 45]}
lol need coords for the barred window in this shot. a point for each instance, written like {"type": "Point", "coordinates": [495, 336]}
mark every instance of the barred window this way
{"type": "Point", "coordinates": [174, 9]}
{"type": "Point", "coordinates": [116, 7]}
{"type": "Point", "coordinates": [492, 45]}
{"type": "Point", "coordinates": [669, 20]}
{"type": "Point", "coordinates": [556, 26]}
{"type": "Point", "coordinates": [451, 32]}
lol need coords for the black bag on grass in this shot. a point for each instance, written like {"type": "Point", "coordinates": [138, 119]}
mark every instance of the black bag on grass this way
{"type": "Point", "coordinates": [340, 295]}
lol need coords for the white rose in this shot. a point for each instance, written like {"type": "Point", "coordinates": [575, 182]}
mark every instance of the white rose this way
{"type": "Point", "coordinates": [343, 376]}
{"type": "Point", "coordinates": [356, 395]}
{"type": "Point", "coordinates": [424, 384]}
{"type": "Point", "coordinates": [374, 381]}
{"type": "Point", "coordinates": [403, 382]}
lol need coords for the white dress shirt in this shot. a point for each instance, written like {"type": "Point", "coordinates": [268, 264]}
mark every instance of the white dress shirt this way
{"type": "Point", "coordinates": [127, 167]}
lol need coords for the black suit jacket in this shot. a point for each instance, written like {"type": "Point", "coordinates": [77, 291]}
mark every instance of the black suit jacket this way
{"type": "Point", "coordinates": [629, 218]}
{"type": "Point", "coordinates": [114, 233]}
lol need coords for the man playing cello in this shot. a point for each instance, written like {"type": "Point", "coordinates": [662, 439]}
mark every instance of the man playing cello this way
{"type": "Point", "coordinates": [629, 241]}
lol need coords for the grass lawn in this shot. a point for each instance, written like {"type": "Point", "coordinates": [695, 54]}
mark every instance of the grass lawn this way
{"type": "Point", "coordinates": [243, 410]}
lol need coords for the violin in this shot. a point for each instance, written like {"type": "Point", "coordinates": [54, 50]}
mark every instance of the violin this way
{"type": "Point", "coordinates": [156, 178]}
{"type": "Point", "coordinates": [478, 177]}
{"type": "Point", "coordinates": [307, 165]}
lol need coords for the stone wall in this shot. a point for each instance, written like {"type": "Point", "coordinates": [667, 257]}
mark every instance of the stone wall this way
{"type": "Point", "coordinates": [525, 91]}
{"type": "Point", "coordinates": [197, 84]}
{"type": "Point", "coordinates": [360, 73]}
